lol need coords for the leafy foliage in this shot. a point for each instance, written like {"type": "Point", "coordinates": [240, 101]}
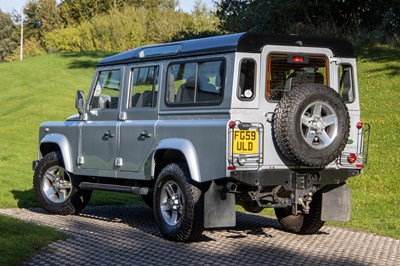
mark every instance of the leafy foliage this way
{"type": "Point", "coordinates": [120, 30]}
{"type": "Point", "coordinates": [8, 36]}
{"type": "Point", "coordinates": [317, 17]}
{"type": "Point", "coordinates": [110, 25]}
{"type": "Point", "coordinates": [75, 12]}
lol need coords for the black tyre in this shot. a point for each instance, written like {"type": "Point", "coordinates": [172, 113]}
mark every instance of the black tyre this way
{"type": "Point", "coordinates": [311, 125]}
{"type": "Point", "coordinates": [148, 200]}
{"type": "Point", "coordinates": [178, 205]}
{"type": "Point", "coordinates": [251, 206]}
{"type": "Point", "coordinates": [57, 190]}
{"type": "Point", "coordinates": [302, 223]}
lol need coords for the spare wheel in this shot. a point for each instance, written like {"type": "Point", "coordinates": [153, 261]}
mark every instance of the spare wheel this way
{"type": "Point", "coordinates": [311, 125]}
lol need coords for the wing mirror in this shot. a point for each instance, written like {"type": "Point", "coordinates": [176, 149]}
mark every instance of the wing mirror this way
{"type": "Point", "coordinates": [80, 101]}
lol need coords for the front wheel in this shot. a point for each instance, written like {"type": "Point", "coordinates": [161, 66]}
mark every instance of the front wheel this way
{"type": "Point", "coordinates": [178, 205]}
{"type": "Point", "coordinates": [57, 190]}
{"type": "Point", "coordinates": [303, 224]}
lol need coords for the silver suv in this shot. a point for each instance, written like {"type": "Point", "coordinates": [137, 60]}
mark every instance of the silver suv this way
{"type": "Point", "coordinates": [196, 127]}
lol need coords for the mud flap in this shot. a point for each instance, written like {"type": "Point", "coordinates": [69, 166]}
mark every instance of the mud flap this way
{"type": "Point", "coordinates": [336, 203]}
{"type": "Point", "coordinates": [219, 208]}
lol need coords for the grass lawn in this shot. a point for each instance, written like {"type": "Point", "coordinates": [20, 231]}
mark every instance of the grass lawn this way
{"type": "Point", "coordinates": [43, 89]}
{"type": "Point", "coordinates": [20, 240]}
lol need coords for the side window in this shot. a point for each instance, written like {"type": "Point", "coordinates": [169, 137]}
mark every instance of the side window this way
{"type": "Point", "coordinates": [144, 87]}
{"type": "Point", "coordinates": [106, 92]}
{"type": "Point", "coordinates": [287, 70]}
{"type": "Point", "coordinates": [195, 82]}
{"type": "Point", "coordinates": [346, 83]}
{"type": "Point", "coordinates": [247, 79]}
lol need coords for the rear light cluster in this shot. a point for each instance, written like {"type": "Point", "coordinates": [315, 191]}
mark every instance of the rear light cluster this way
{"type": "Point", "coordinates": [356, 159]}
{"type": "Point", "coordinates": [352, 158]}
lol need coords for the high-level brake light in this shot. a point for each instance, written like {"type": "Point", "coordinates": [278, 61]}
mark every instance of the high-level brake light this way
{"type": "Point", "coordinates": [297, 59]}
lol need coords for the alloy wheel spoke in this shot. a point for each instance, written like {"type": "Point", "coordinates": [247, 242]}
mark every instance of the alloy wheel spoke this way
{"type": "Point", "coordinates": [62, 194]}
{"type": "Point", "coordinates": [50, 192]}
{"type": "Point", "coordinates": [174, 217]}
{"type": "Point", "coordinates": [65, 185]}
{"type": "Point", "coordinates": [170, 190]}
{"type": "Point", "coordinates": [317, 109]}
{"type": "Point", "coordinates": [305, 120]}
{"type": "Point", "coordinates": [324, 137]}
{"type": "Point", "coordinates": [50, 177]}
{"type": "Point", "coordinates": [165, 207]}
{"type": "Point", "coordinates": [330, 119]}
{"type": "Point", "coordinates": [310, 137]}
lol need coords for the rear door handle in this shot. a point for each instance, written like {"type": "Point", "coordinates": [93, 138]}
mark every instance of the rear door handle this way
{"type": "Point", "coordinates": [108, 134]}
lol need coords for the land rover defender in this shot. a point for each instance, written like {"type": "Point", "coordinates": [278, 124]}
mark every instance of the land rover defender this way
{"type": "Point", "coordinates": [196, 127]}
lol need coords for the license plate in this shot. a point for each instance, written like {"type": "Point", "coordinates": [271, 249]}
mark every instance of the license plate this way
{"type": "Point", "coordinates": [245, 141]}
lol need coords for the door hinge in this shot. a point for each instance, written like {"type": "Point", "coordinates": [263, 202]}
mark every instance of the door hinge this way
{"type": "Point", "coordinates": [119, 162]}
{"type": "Point", "coordinates": [122, 116]}
{"type": "Point", "coordinates": [80, 160]}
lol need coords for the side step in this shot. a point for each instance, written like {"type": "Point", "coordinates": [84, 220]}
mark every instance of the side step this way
{"type": "Point", "coordinates": [116, 188]}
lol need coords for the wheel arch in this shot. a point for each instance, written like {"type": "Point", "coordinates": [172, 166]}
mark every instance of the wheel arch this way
{"type": "Point", "coordinates": [176, 150]}
{"type": "Point", "coordinates": [60, 143]}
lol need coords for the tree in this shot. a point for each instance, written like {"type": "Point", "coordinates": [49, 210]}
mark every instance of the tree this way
{"type": "Point", "coordinates": [8, 38]}
{"type": "Point", "coordinates": [74, 12]}
{"type": "Point", "coordinates": [41, 16]}
{"type": "Point", "coordinates": [321, 17]}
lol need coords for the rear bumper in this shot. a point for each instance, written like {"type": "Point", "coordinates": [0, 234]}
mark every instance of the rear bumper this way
{"type": "Point", "coordinates": [287, 177]}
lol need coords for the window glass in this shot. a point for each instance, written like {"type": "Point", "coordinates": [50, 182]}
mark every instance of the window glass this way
{"type": "Point", "coordinates": [247, 79]}
{"type": "Point", "coordinates": [198, 82]}
{"type": "Point", "coordinates": [144, 86]}
{"type": "Point", "coordinates": [106, 92]}
{"type": "Point", "coordinates": [287, 70]}
{"type": "Point", "coordinates": [346, 83]}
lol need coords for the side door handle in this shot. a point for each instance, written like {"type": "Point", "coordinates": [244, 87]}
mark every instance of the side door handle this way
{"type": "Point", "coordinates": [108, 135]}
{"type": "Point", "coordinates": [145, 134]}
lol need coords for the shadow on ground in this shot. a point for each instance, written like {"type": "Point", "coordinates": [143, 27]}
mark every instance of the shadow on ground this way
{"type": "Point", "coordinates": [85, 60]}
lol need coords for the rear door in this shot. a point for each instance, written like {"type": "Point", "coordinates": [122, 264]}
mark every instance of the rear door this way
{"type": "Point", "coordinates": [139, 115]}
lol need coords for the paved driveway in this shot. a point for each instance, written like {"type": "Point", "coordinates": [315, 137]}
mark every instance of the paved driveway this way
{"type": "Point", "coordinates": [127, 235]}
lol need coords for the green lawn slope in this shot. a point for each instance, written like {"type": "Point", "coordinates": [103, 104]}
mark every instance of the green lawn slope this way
{"type": "Point", "coordinates": [43, 88]}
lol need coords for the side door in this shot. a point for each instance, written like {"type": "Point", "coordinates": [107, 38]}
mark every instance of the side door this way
{"type": "Point", "coordinates": [99, 143]}
{"type": "Point", "coordinates": [139, 116]}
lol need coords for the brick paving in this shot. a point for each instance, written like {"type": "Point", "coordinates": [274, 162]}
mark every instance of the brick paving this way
{"type": "Point", "coordinates": [127, 235]}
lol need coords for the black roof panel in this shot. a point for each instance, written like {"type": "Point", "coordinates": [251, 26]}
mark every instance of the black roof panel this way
{"type": "Point", "coordinates": [251, 42]}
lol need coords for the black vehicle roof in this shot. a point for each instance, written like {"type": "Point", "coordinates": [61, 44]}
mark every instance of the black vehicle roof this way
{"type": "Point", "coordinates": [250, 42]}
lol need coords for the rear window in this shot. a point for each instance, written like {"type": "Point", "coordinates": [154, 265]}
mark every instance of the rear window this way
{"type": "Point", "coordinates": [287, 70]}
{"type": "Point", "coordinates": [195, 83]}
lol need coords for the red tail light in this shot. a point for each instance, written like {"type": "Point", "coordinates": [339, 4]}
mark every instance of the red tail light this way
{"type": "Point", "coordinates": [359, 125]}
{"type": "Point", "coordinates": [232, 124]}
{"type": "Point", "coordinates": [352, 158]}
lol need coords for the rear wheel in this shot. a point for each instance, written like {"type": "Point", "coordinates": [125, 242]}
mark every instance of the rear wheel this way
{"type": "Point", "coordinates": [251, 206]}
{"type": "Point", "coordinates": [57, 190]}
{"type": "Point", "coordinates": [302, 223]}
{"type": "Point", "coordinates": [148, 200]}
{"type": "Point", "coordinates": [178, 204]}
